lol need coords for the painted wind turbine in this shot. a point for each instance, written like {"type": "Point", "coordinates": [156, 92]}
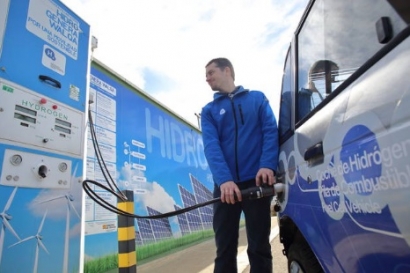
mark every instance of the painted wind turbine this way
{"type": "Point", "coordinates": [39, 239]}
{"type": "Point", "coordinates": [5, 217]}
{"type": "Point", "coordinates": [70, 199]}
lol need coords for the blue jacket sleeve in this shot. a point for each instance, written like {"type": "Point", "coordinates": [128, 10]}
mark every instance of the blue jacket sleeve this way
{"type": "Point", "coordinates": [212, 148]}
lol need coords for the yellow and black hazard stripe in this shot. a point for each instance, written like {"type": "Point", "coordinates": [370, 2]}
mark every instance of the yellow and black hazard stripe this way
{"type": "Point", "coordinates": [127, 256]}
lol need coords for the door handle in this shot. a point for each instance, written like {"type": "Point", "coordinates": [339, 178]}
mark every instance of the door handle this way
{"type": "Point", "coordinates": [314, 152]}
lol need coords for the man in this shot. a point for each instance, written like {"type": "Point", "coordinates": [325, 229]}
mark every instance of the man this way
{"type": "Point", "coordinates": [324, 72]}
{"type": "Point", "coordinates": [241, 146]}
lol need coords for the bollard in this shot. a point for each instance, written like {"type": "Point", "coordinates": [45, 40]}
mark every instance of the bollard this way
{"type": "Point", "coordinates": [127, 256]}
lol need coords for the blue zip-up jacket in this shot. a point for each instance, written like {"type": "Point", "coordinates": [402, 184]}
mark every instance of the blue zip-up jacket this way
{"type": "Point", "coordinates": [240, 135]}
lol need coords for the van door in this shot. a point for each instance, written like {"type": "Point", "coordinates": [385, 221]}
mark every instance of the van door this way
{"type": "Point", "coordinates": [344, 155]}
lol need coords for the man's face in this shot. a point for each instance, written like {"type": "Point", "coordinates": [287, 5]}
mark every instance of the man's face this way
{"type": "Point", "coordinates": [215, 76]}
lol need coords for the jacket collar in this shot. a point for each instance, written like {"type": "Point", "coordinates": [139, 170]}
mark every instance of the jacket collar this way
{"type": "Point", "coordinates": [238, 89]}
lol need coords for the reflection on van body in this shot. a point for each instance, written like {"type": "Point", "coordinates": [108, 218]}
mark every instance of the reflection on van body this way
{"type": "Point", "coordinates": [345, 139]}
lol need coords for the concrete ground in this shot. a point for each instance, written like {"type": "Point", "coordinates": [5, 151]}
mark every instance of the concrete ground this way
{"type": "Point", "coordinates": [200, 257]}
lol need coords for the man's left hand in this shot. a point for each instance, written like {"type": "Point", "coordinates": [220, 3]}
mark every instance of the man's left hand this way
{"type": "Point", "coordinates": [265, 176]}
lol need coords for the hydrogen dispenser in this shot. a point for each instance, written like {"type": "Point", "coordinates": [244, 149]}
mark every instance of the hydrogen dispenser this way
{"type": "Point", "coordinates": [44, 65]}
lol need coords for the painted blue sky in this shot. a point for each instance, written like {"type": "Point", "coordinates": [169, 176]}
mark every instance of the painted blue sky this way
{"type": "Point", "coordinates": [26, 211]}
{"type": "Point", "coordinates": [162, 46]}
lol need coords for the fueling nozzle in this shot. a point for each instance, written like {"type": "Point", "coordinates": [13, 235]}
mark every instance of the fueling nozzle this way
{"type": "Point", "coordinates": [261, 191]}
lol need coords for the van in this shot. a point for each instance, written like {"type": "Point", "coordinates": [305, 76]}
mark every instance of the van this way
{"type": "Point", "coordinates": [344, 124]}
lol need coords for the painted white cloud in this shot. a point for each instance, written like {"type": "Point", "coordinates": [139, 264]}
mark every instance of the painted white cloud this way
{"type": "Point", "coordinates": [157, 198]}
{"type": "Point", "coordinates": [148, 194]}
{"type": "Point", "coordinates": [60, 200]}
{"type": "Point", "coordinates": [177, 38]}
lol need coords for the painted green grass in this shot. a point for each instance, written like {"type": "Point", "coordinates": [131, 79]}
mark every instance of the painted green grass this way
{"type": "Point", "coordinates": [102, 264]}
{"type": "Point", "coordinates": [145, 252]}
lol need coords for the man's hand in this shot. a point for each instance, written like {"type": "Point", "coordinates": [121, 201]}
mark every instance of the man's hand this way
{"type": "Point", "coordinates": [228, 189]}
{"type": "Point", "coordinates": [265, 176]}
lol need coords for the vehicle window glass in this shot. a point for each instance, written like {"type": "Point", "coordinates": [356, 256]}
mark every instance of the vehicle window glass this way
{"type": "Point", "coordinates": [285, 112]}
{"type": "Point", "coordinates": [336, 38]}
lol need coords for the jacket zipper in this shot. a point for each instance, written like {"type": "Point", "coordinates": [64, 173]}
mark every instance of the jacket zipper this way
{"type": "Point", "coordinates": [236, 137]}
{"type": "Point", "coordinates": [241, 114]}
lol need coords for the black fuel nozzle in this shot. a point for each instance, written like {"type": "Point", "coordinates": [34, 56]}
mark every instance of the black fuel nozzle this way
{"type": "Point", "coordinates": [42, 171]}
{"type": "Point", "coordinates": [262, 191]}
{"type": "Point", "coordinates": [257, 192]}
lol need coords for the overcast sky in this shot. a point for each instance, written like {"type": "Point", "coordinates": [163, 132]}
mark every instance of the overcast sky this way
{"type": "Point", "coordinates": [162, 46]}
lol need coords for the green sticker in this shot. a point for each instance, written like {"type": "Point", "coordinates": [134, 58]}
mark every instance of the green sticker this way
{"type": "Point", "coordinates": [8, 88]}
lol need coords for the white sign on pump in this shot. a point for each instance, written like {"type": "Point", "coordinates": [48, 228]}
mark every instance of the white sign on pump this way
{"type": "Point", "coordinates": [4, 9]}
{"type": "Point", "coordinates": [51, 23]}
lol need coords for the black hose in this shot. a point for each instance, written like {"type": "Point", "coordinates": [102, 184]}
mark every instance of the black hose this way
{"type": "Point", "coordinates": [251, 193]}
{"type": "Point", "coordinates": [94, 196]}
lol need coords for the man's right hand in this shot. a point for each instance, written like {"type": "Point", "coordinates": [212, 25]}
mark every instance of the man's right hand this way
{"type": "Point", "coordinates": [228, 191]}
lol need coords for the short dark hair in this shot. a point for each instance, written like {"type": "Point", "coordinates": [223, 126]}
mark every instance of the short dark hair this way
{"type": "Point", "coordinates": [326, 66]}
{"type": "Point", "coordinates": [222, 63]}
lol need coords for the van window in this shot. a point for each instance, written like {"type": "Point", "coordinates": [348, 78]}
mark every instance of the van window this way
{"type": "Point", "coordinates": [285, 113]}
{"type": "Point", "coordinates": [335, 40]}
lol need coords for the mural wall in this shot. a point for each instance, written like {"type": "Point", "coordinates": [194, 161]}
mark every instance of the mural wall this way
{"type": "Point", "coordinates": [151, 151]}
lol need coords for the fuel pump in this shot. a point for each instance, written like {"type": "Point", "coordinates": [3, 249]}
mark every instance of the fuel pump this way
{"type": "Point", "coordinates": [44, 63]}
